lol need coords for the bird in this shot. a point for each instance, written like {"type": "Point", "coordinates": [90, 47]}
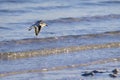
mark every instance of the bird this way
{"type": "Point", "coordinates": [37, 26]}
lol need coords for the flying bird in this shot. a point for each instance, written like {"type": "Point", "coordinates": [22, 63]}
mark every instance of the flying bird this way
{"type": "Point", "coordinates": [38, 26]}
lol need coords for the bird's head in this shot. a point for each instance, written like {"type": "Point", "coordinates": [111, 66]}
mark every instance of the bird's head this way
{"type": "Point", "coordinates": [42, 24]}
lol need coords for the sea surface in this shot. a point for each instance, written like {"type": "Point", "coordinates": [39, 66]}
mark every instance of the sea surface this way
{"type": "Point", "coordinates": [82, 35]}
{"type": "Point", "coordinates": [73, 17]}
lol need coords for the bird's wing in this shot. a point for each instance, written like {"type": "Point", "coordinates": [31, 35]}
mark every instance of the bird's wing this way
{"type": "Point", "coordinates": [37, 23]}
{"type": "Point", "coordinates": [34, 25]}
{"type": "Point", "coordinates": [39, 28]}
{"type": "Point", "coordinates": [36, 30]}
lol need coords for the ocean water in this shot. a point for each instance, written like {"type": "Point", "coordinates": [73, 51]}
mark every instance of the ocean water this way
{"type": "Point", "coordinates": [82, 35]}
{"type": "Point", "coordinates": [76, 17]}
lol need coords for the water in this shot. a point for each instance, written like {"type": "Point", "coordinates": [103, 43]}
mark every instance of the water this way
{"type": "Point", "coordinates": [63, 18]}
{"type": "Point", "coordinates": [71, 66]}
{"type": "Point", "coordinates": [91, 25]}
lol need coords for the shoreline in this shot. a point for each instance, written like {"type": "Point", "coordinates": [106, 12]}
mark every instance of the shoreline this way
{"type": "Point", "coordinates": [98, 62]}
{"type": "Point", "coordinates": [34, 53]}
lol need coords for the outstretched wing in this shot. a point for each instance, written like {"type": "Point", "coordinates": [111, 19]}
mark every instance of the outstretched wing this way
{"type": "Point", "coordinates": [36, 30]}
{"type": "Point", "coordinates": [37, 23]}
{"type": "Point", "coordinates": [39, 28]}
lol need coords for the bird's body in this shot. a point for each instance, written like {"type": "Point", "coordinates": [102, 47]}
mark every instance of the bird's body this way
{"type": "Point", "coordinates": [37, 26]}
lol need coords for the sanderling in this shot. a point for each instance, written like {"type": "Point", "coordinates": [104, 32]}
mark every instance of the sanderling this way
{"type": "Point", "coordinates": [37, 26]}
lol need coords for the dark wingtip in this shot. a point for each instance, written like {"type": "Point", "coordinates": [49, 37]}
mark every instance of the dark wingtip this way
{"type": "Point", "coordinates": [36, 34]}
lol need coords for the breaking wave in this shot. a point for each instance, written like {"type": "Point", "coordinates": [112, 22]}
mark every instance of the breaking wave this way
{"type": "Point", "coordinates": [71, 44]}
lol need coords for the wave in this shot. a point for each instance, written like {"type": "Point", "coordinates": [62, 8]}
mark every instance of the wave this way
{"type": "Point", "coordinates": [18, 55]}
{"type": "Point", "coordinates": [75, 19]}
{"type": "Point", "coordinates": [101, 3]}
{"type": "Point", "coordinates": [6, 11]}
{"type": "Point", "coordinates": [22, 48]}
{"type": "Point", "coordinates": [111, 2]}
{"type": "Point", "coordinates": [49, 39]}
{"type": "Point", "coordinates": [87, 18]}
{"type": "Point", "coordinates": [48, 7]}
{"type": "Point", "coordinates": [14, 1]}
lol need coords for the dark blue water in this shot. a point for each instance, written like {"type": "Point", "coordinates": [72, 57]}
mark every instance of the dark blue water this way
{"type": "Point", "coordinates": [76, 17]}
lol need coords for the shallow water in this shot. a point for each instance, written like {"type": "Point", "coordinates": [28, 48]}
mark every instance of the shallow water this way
{"type": "Point", "coordinates": [56, 66]}
{"type": "Point", "coordinates": [82, 35]}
